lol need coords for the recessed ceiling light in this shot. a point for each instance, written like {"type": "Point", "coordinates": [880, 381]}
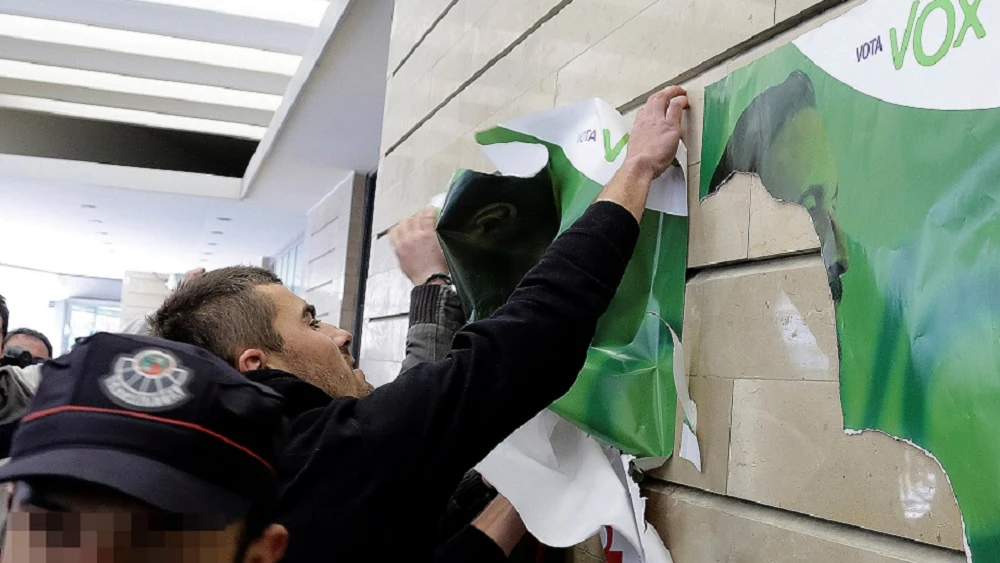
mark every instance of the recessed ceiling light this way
{"type": "Point", "coordinates": [137, 86]}
{"type": "Point", "coordinates": [224, 218]}
{"type": "Point", "coordinates": [213, 244]}
{"type": "Point", "coordinates": [147, 44]}
{"type": "Point", "coordinates": [300, 12]}
{"type": "Point", "coordinates": [122, 115]}
{"type": "Point", "coordinates": [217, 232]}
{"type": "Point", "coordinates": [88, 206]}
{"type": "Point", "coordinates": [98, 221]}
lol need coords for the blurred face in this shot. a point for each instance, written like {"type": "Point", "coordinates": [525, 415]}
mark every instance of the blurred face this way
{"type": "Point", "coordinates": [800, 167]}
{"type": "Point", "coordinates": [314, 351]}
{"type": "Point", "coordinates": [29, 343]}
{"type": "Point", "coordinates": [59, 527]}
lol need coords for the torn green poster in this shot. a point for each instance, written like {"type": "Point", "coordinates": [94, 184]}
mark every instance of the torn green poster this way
{"type": "Point", "coordinates": [493, 228]}
{"type": "Point", "coordinates": [884, 124]}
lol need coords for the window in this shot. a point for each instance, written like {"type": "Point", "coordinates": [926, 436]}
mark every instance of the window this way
{"type": "Point", "coordinates": [289, 265]}
{"type": "Point", "coordinates": [85, 317]}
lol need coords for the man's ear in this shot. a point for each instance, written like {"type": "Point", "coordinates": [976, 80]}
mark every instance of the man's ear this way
{"type": "Point", "coordinates": [251, 360]}
{"type": "Point", "coordinates": [269, 547]}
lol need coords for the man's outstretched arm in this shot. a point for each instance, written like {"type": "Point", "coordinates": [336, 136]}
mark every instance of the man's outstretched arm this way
{"type": "Point", "coordinates": [443, 417]}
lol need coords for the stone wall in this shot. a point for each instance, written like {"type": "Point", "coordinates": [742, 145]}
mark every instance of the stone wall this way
{"type": "Point", "coordinates": [781, 480]}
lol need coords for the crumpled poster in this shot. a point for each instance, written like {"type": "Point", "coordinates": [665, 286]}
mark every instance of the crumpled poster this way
{"type": "Point", "coordinates": [885, 125]}
{"type": "Point", "coordinates": [567, 485]}
{"type": "Point", "coordinates": [494, 228]}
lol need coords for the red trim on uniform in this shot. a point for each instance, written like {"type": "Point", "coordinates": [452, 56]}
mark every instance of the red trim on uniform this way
{"type": "Point", "coordinates": [203, 430]}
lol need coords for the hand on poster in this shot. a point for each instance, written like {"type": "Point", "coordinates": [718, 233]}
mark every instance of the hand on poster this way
{"type": "Point", "coordinates": [656, 134]}
{"type": "Point", "coordinates": [652, 148]}
{"type": "Point", "coordinates": [416, 245]}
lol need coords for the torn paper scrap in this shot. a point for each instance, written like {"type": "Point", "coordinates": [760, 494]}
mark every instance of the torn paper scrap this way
{"type": "Point", "coordinates": [668, 193]}
{"type": "Point", "coordinates": [566, 486]}
{"type": "Point", "coordinates": [689, 447]}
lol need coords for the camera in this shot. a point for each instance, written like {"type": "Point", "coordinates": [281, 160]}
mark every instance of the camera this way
{"type": "Point", "coordinates": [17, 357]}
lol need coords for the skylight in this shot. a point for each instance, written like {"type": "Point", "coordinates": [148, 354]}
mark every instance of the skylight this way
{"type": "Point", "coordinates": [158, 46]}
{"type": "Point", "coordinates": [301, 12]}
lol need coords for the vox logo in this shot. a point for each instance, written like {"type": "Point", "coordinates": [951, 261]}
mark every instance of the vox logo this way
{"type": "Point", "coordinates": [913, 35]}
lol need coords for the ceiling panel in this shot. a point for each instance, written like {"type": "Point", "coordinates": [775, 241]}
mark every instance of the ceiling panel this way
{"type": "Point", "coordinates": [171, 21]}
{"type": "Point", "coordinates": [134, 117]}
{"type": "Point", "coordinates": [165, 106]}
{"type": "Point", "coordinates": [217, 66]}
{"type": "Point", "coordinates": [142, 66]}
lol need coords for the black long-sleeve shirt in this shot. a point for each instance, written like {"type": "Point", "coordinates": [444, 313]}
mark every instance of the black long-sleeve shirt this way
{"type": "Point", "coordinates": [366, 479]}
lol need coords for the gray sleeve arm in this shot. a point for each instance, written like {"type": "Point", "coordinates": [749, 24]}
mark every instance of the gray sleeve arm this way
{"type": "Point", "coordinates": [435, 316]}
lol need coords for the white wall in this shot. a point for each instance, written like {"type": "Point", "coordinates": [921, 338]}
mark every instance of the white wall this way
{"type": "Point", "coordinates": [30, 294]}
{"type": "Point", "coordinates": [332, 251]}
{"type": "Point", "coordinates": [142, 293]}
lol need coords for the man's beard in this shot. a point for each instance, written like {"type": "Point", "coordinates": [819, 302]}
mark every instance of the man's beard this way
{"type": "Point", "coordinates": [332, 379]}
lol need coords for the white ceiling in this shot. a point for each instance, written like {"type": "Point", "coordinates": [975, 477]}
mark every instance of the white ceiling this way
{"type": "Point", "coordinates": [49, 225]}
{"type": "Point", "coordinates": [331, 117]}
{"type": "Point", "coordinates": [306, 76]}
{"type": "Point", "coordinates": [219, 66]}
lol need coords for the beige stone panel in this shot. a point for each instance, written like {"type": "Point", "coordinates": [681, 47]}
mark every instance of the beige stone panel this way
{"type": "Point", "coordinates": [395, 168]}
{"type": "Point", "coordinates": [469, 53]}
{"type": "Point", "coordinates": [382, 216]}
{"type": "Point", "coordinates": [326, 268]}
{"type": "Point", "coordinates": [385, 340]}
{"type": "Point", "coordinates": [785, 9]}
{"type": "Point", "coordinates": [387, 294]}
{"type": "Point", "coordinates": [435, 134]}
{"type": "Point", "coordinates": [719, 224]}
{"type": "Point", "coordinates": [498, 24]}
{"type": "Point", "coordinates": [445, 48]}
{"type": "Point", "coordinates": [789, 451]}
{"type": "Point", "coordinates": [839, 9]}
{"type": "Point", "coordinates": [778, 315]}
{"type": "Point", "coordinates": [548, 48]}
{"type": "Point", "coordinates": [382, 258]}
{"type": "Point", "coordinates": [776, 226]}
{"type": "Point", "coordinates": [445, 33]}
{"type": "Point", "coordinates": [540, 97]}
{"type": "Point", "coordinates": [665, 40]}
{"type": "Point", "coordinates": [392, 203]}
{"type": "Point", "coordinates": [700, 527]}
{"type": "Point", "coordinates": [472, 155]}
{"type": "Point", "coordinates": [404, 112]}
{"type": "Point", "coordinates": [410, 20]}
{"type": "Point", "coordinates": [714, 398]}
{"type": "Point", "coordinates": [592, 546]}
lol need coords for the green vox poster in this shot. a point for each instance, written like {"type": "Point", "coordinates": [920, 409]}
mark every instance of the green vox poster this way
{"type": "Point", "coordinates": [884, 124]}
{"type": "Point", "coordinates": [493, 228]}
